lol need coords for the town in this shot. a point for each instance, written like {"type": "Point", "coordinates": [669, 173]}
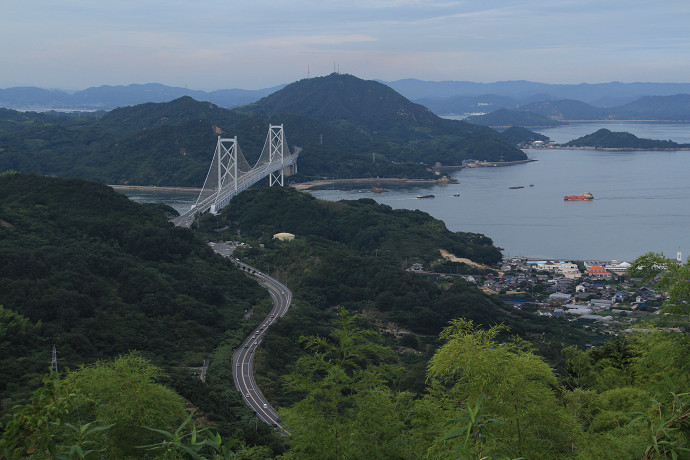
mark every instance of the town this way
{"type": "Point", "coordinates": [602, 293]}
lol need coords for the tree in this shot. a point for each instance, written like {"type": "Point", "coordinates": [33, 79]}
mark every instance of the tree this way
{"type": "Point", "coordinates": [348, 410]}
{"type": "Point", "coordinates": [673, 277]}
{"type": "Point", "coordinates": [122, 395]}
{"type": "Point", "coordinates": [514, 386]}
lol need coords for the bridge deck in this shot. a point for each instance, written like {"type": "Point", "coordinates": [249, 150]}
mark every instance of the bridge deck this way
{"type": "Point", "coordinates": [230, 190]}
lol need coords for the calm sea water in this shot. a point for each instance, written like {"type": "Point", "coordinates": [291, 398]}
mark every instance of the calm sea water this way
{"type": "Point", "coordinates": [181, 201]}
{"type": "Point", "coordinates": [677, 132]}
{"type": "Point", "coordinates": [642, 199]}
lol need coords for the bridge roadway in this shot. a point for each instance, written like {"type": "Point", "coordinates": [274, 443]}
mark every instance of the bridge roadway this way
{"type": "Point", "coordinates": [244, 182]}
{"type": "Point", "coordinates": [243, 358]}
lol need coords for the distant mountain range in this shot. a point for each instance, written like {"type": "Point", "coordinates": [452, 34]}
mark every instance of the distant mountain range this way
{"type": "Point", "coordinates": [517, 93]}
{"type": "Point", "coordinates": [550, 113]}
{"type": "Point", "coordinates": [111, 97]}
{"type": "Point", "coordinates": [445, 97]}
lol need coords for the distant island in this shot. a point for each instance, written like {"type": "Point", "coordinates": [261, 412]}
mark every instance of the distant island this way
{"type": "Point", "coordinates": [606, 139]}
{"type": "Point", "coordinates": [503, 118]}
{"type": "Point", "coordinates": [547, 113]}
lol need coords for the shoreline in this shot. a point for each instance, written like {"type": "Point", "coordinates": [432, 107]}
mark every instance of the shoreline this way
{"type": "Point", "coordinates": [368, 180]}
{"type": "Point", "coordinates": [484, 164]}
{"type": "Point", "coordinates": [144, 188]}
{"type": "Point", "coordinates": [621, 149]}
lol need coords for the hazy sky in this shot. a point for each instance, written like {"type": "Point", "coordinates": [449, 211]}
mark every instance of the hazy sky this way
{"type": "Point", "coordinates": [74, 44]}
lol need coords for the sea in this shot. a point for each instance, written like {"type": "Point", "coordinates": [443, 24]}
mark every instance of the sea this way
{"type": "Point", "coordinates": [641, 198]}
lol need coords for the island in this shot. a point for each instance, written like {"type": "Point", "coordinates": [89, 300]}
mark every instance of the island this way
{"type": "Point", "coordinates": [605, 139]}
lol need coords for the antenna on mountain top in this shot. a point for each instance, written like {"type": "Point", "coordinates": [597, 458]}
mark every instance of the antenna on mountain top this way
{"type": "Point", "coordinates": [53, 361]}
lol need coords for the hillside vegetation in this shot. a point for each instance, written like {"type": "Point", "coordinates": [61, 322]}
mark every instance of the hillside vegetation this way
{"type": "Point", "coordinates": [353, 254]}
{"type": "Point", "coordinates": [87, 270]}
{"type": "Point", "coordinates": [98, 275]}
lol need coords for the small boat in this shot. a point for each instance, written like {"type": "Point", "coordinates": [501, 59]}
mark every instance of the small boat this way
{"type": "Point", "coordinates": [516, 187]}
{"type": "Point", "coordinates": [456, 194]}
{"type": "Point", "coordinates": [584, 197]}
{"type": "Point", "coordinates": [426, 196]}
{"type": "Point", "coordinates": [531, 185]}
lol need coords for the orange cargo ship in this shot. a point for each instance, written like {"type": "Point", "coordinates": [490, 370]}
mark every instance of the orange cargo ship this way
{"type": "Point", "coordinates": [583, 197]}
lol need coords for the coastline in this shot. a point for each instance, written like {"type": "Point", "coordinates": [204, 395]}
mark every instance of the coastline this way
{"type": "Point", "coordinates": [368, 180]}
{"type": "Point", "coordinates": [144, 188]}
{"type": "Point", "coordinates": [362, 180]}
{"type": "Point", "coordinates": [484, 164]}
{"type": "Point", "coordinates": [621, 149]}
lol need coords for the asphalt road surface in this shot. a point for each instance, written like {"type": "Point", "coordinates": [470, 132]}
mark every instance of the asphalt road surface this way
{"type": "Point", "coordinates": [243, 358]}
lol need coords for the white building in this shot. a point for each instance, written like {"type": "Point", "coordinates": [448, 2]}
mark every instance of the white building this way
{"type": "Point", "coordinates": [616, 267]}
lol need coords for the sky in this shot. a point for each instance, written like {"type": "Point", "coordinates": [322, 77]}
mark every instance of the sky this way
{"type": "Point", "coordinates": [221, 44]}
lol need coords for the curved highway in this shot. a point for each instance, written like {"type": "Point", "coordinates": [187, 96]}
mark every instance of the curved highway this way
{"type": "Point", "coordinates": [243, 358]}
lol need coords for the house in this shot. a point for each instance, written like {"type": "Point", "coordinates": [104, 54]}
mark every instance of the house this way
{"type": "Point", "coordinates": [559, 298]}
{"type": "Point", "coordinates": [598, 272]}
{"type": "Point", "coordinates": [601, 303]}
{"type": "Point", "coordinates": [579, 310]}
{"type": "Point", "coordinates": [616, 267]}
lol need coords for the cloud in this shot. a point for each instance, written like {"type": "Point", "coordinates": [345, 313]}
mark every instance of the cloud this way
{"type": "Point", "coordinates": [311, 41]}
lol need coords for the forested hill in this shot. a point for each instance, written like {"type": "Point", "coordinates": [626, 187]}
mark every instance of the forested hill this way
{"type": "Point", "coordinates": [95, 274]}
{"type": "Point", "coordinates": [341, 97]}
{"type": "Point", "coordinates": [369, 107]}
{"type": "Point", "coordinates": [606, 139]}
{"type": "Point", "coordinates": [362, 225]}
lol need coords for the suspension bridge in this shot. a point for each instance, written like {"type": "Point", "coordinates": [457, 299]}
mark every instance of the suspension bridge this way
{"type": "Point", "coordinates": [230, 173]}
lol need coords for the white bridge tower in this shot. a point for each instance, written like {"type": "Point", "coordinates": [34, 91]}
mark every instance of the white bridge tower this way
{"type": "Point", "coordinates": [276, 141]}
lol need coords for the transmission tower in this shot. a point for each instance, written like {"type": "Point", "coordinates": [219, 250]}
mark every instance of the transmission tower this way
{"type": "Point", "coordinates": [53, 361]}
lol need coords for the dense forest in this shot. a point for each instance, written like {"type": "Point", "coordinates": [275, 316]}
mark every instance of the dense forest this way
{"type": "Point", "coordinates": [87, 270]}
{"type": "Point", "coordinates": [372, 361]}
